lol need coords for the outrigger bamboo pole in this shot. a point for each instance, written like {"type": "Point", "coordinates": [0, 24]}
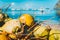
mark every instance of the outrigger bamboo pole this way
{"type": "Point", "coordinates": [30, 34]}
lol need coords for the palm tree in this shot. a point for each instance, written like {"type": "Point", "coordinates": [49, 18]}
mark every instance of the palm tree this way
{"type": "Point", "coordinates": [57, 8]}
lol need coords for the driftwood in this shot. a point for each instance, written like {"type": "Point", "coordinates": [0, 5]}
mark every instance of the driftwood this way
{"type": "Point", "coordinates": [19, 34]}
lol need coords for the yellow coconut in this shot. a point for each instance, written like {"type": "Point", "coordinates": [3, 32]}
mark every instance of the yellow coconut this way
{"type": "Point", "coordinates": [54, 34]}
{"type": "Point", "coordinates": [3, 37]}
{"type": "Point", "coordinates": [42, 31]}
{"type": "Point", "coordinates": [27, 19]}
{"type": "Point", "coordinates": [11, 26]}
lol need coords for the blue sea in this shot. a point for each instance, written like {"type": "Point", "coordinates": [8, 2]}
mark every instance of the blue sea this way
{"type": "Point", "coordinates": [35, 13]}
{"type": "Point", "coordinates": [46, 15]}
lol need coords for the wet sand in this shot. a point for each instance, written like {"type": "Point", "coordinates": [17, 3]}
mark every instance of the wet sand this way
{"type": "Point", "coordinates": [53, 24]}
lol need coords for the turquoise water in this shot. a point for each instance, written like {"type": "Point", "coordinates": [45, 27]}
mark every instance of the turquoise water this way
{"type": "Point", "coordinates": [35, 13]}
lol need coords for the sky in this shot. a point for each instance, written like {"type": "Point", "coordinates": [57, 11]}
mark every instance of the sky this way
{"type": "Point", "coordinates": [26, 4]}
